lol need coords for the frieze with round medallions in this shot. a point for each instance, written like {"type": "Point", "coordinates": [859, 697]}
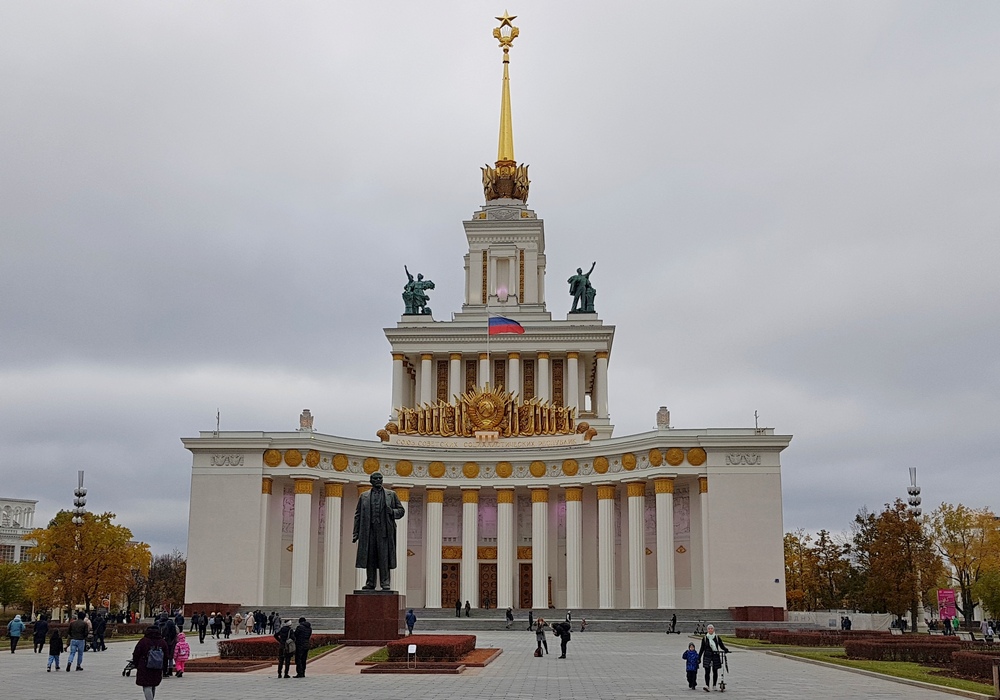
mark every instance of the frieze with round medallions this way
{"type": "Point", "coordinates": [628, 461]}
{"type": "Point", "coordinates": [470, 470]}
{"type": "Point", "coordinates": [655, 457]}
{"type": "Point", "coordinates": [272, 458]}
{"type": "Point", "coordinates": [436, 469]}
{"type": "Point", "coordinates": [537, 469]}
{"type": "Point", "coordinates": [370, 465]}
{"type": "Point", "coordinates": [570, 467]}
{"type": "Point", "coordinates": [293, 458]}
{"type": "Point", "coordinates": [504, 469]}
{"type": "Point", "coordinates": [674, 456]}
{"type": "Point", "coordinates": [312, 459]}
{"type": "Point", "coordinates": [601, 465]}
{"type": "Point", "coordinates": [696, 456]}
{"type": "Point", "coordinates": [404, 467]}
{"type": "Point", "coordinates": [340, 462]}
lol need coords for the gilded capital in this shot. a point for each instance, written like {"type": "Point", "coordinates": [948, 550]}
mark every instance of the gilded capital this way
{"type": "Point", "coordinates": [397, 356]}
{"type": "Point", "coordinates": [426, 356]}
{"type": "Point", "coordinates": [543, 356]}
{"type": "Point", "coordinates": [605, 493]}
{"type": "Point", "coordinates": [513, 356]}
{"type": "Point", "coordinates": [455, 356]}
{"type": "Point", "coordinates": [505, 495]}
{"type": "Point", "coordinates": [402, 492]}
{"type": "Point", "coordinates": [435, 495]}
{"type": "Point", "coordinates": [540, 495]}
{"type": "Point", "coordinates": [266, 485]}
{"type": "Point", "coordinates": [702, 484]}
{"type": "Point", "coordinates": [572, 355]}
{"type": "Point", "coordinates": [470, 495]}
{"type": "Point", "coordinates": [636, 489]}
{"type": "Point", "coordinates": [483, 355]}
{"type": "Point", "coordinates": [663, 485]}
{"type": "Point", "coordinates": [333, 490]}
{"type": "Point", "coordinates": [574, 493]}
{"type": "Point", "coordinates": [303, 486]}
{"type": "Point", "coordinates": [602, 354]}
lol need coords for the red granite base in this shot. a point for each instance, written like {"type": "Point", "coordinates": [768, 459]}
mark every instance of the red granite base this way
{"type": "Point", "coordinates": [374, 618]}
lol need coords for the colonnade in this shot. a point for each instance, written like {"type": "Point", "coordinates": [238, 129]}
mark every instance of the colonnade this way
{"type": "Point", "coordinates": [506, 550]}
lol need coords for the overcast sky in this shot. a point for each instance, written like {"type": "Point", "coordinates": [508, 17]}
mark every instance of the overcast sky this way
{"type": "Point", "coordinates": [793, 207]}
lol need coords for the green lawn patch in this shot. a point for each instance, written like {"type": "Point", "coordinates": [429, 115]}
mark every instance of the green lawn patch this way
{"type": "Point", "coordinates": [377, 657]}
{"type": "Point", "coordinates": [320, 651]}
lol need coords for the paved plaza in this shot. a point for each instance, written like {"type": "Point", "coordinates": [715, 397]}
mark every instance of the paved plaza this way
{"type": "Point", "coordinates": [608, 665]}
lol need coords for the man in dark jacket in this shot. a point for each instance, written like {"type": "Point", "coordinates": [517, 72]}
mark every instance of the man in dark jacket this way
{"type": "Point", "coordinates": [284, 658]}
{"type": "Point", "coordinates": [77, 641]}
{"type": "Point", "coordinates": [100, 629]}
{"type": "Point", "coordinates": [302, 634]}
{"type": "Point", "coordinates": [170, 639]}
{"type": "Point", "coordinates": [147, 674]}
{"type": "Point", "coordinates": [562, 631]}
{"type": "Point", "coordinates": [38, 637]}
{"type": "Point", "coordinates": [202, 626]}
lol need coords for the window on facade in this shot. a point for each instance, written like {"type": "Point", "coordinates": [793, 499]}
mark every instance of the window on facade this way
{"type": "Point", "coordinates": [27, 553]}
{"type": "Point", "coordinates": [7, 553]}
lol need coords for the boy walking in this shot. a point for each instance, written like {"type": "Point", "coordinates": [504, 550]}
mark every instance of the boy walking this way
{"type": "Point", "coordinates": [691, 666]}
{"type": "Point", "coordinates": [55, 649]}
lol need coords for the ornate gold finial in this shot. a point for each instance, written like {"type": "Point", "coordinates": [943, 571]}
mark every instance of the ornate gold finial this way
{"type": "Point", "coordinates": [507, 180]}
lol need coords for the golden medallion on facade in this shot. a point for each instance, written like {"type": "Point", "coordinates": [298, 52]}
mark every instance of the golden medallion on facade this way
{"type": "Point", "coordinates": [524, 552]}
{"type": "Point", "coordinates": [404, 467]}
{"type": "Point", "coordinates": [628, 461]}
{"type": "Point", "coordinates": [436, 469]}
{"type": "Point", "coordinates": [675, 456]}
{"type": "Point", "coordinates": [601, 465]}
{"type": "Point", "coordinates": [470, 470]}
{"type": "Point", "coordinates": [451, 552]}
{"type": "Point", "coordinates": [537, 469]}
{"type": "Point", "coordinates": [655, 457]}
{"type": "Point", "coordinates": [293, 458]}
{"type": "Point", "coordinates": [696, 456]}
{"type": "Point", "coordinates": [488, 553]}
{"type": "Point", "coordinates": [681, 549]}
{"type": "Point", "coordinates": [340, 462]}
{"type": "Point", "coordinates": [370, 465]}
{"type": "Point", "coordinates": [312, 459]}
{"type": "Point", "coordinates": [570, 467]}
{"type": "Point", "coordinates": [504, 469]}
{"type": "Point", "coordinates": [272, 458]}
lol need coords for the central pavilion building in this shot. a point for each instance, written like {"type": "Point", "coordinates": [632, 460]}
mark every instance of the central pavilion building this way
{"type": "Point", "coordinates": [501, 449]}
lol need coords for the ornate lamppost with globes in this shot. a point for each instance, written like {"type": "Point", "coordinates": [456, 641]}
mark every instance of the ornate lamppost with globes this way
{"type": "Point", "coordinates": [79, 510]}
{"type": "Point", "coordinates": [914, 510]}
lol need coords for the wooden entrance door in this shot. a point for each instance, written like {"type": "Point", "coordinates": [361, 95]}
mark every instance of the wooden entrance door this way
{"type": "Point", "coordinates": [450, 586]}
{"type": "Point", "coordinates": [488, 584]}
{"type": "Point", "coordinates": [524, 585]}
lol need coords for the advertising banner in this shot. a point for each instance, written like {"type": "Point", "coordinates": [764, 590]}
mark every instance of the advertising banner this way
{"type": "Point", "coordinates": [946, 603]}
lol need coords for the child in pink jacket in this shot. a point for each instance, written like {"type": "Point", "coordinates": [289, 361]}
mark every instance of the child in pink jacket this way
{"type": "Point", "coordinates": [182, 652]}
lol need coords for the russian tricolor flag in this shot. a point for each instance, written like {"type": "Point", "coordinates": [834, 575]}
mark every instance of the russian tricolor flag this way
{"type": "Point", "coordinates": [499, 324]}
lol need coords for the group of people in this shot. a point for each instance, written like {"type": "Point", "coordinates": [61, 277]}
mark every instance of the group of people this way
{"type": "Point", "coordinates": [559, 629]}
{"type": "Point", "coordinates": [162, 652]}
{"type": "Point", "coordinates": [709, 656]}
{"type": "Point", "coordinates": [293, 643]}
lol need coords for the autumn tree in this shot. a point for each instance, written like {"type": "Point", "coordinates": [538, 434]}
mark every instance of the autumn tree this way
{"type": "Point", "coordinates": [165, 584]}
{"type": "Point", "coordinates": [987, 591]}
{"type": "Point", "coordinates": [799, 570]}
{"type": "Point", "coordinates": [969, 539]}
{"type": "Point", "coordinates": [13, 584]}
{"type": "Point", "coordinates": [82, 564]}
{"type": "Point", "coordinates": [816, 570]}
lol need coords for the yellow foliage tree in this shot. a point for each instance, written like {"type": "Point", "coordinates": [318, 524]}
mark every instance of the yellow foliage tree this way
{"type": "Point", "coordinates": [81, 564]}
{"type": "Point", "coordinates": [969, 539]}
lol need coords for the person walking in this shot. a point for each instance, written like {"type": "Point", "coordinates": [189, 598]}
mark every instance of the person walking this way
{"type": "Point", "coordinates": [237, 621]}
{"type": "Point", "coordinates": [170, 635]}
{"type": "Point", "coordinates": [248, 622]}
{"type": "Point", "coordinates": [38, 634]}
{"type": "Point", "coordinates": [510, 618]}
{"type": "Point", "coordinates": [149, 658]}
{"type": "Point", "coordinates": [202, 627]}
{"type": "Point", "coordinates": [302, 634]}
{"type": "Point", "coordinates": [55, 649]}
{"type": "Point", "coordinates": [78, 631]}
{"type": "Point", "coordinates": [531, 620]}
{"type": "Point", "coordinates": [691, 666]}
{"type": "Point", "coordinates": [468, 609]}
{"type": "Point", "coordinates": [540, 640]}
{"type": "Point", "coordinates": [458, 607]}
{"type": "Point", "coordinates": [100, 629]}
{"type": "Point", "coordinates": [182, 652]}
{"type": "Point", "coordinates": [227, 626]}
{"type": "Point", "coordinates": [14, 630]}
{"type": "Point", "coordinates": [411, 620]}
{"type": "Point", "coordinates": [712, 648]}
{"type": "Point", "coordinates": [285, 650]}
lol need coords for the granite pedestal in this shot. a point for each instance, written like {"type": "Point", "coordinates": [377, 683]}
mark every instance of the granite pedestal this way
{"type": "Point", "coordinates": [373, 618]}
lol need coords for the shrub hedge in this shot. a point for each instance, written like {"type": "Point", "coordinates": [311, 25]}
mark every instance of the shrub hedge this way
{"type": "Point", "coordinates": [433, 647]}
{"type": "Point", "coordinates": [923, 650]}
{"type": "Point", "coordinates": [976, 664]}
{"type": "Point", "coordinates": [823, 638]}
{"type": "Point", "coordinates": [266, 647]}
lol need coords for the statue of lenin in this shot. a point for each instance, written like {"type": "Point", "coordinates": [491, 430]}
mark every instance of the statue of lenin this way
{"type": "Point", "coordinates": [375, 532]}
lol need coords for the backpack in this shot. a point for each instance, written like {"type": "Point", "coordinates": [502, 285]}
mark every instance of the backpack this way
{"type": "Point", "coordinates": [290, 643]}
{"type": "Point", "coordinates": [154, 659]}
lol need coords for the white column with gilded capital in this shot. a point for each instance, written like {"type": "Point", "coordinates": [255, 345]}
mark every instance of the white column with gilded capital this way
{"type": "Point", "coordinates": [572, 397]}
{"type": "Point", "coordinates": [666, 591]}
{"type": "Point", "coordinates": [574, 547]}
{"type": "Point", "coordinates": [267, 484]}
{"type": "Point", "coordinates": [540, 548]}
{"type": "Point", "coordinates": [602, 385]}
{"type": "Point", "coordinates": [427, 382]}
{"type": "Point", "coordinates": [703, 498]}
{"type": "Point", "coordinates": [506, 549]}
{"type": "Point", "coordinates": [470, 546]}
{"type": "Point", "coordinates": [636, 544]}
{"type": "Point", "coordinates": [606, 546]}
{"type": "Point", "coordinates": [543, 382]}
{"type": "Point", "coordinates": [514, 372]}
{"type": "Point", "coordinates": [484, 369]}
{"type": "Point", "coordinates": [398, 576]}
{"type": "Point", "coordinates": [434, 514]}
{"type": "Point", "coordinates": [455, 384]}
{"type": "Point", "coordinates": [398, 377]}
{"type": "Point", "coordinates": [301, 531]}
{"type": "Point", "coordinates": [334, 493]}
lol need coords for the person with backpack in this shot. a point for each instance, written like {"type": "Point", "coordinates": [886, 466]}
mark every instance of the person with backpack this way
{"type": "Point", "coordinates": [302, 634]}
{"type": "Point", "coordinates": [286, 646]}
{"type": "Point", "coordinates": [149, 659]}
{"type": "Point", "coordinates": [562, 630]}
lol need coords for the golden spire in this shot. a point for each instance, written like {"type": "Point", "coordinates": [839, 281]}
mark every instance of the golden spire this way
{"type": "Point", "coordinates": [508, 180]}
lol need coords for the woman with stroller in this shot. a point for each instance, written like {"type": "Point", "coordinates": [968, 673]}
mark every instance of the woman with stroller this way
{"type": "Point", "coordinates": [712, 649]}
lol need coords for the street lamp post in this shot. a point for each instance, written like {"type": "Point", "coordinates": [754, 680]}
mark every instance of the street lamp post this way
{"type": "Point", "coordinates": [79, 510]}
{"type": "Point", "coordinates": [914, 509]}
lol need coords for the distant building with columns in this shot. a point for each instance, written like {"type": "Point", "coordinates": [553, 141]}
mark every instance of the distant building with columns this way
{"type": "Point", "coordinates": [501, 449]}
{"type": "Point", "coordinates": [17, 519]}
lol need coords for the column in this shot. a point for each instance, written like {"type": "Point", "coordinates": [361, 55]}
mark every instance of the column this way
{"type": "Point", "coordinates": [399, 582]}
{"type": "Point", "coordinates": [665, 587]}
{"type": "Point", "coordinates": [415, 386]}
{"type": "Point", "coordinates": [574, 547]}
{"type": "Point", "coordinates": [636, 544]}
{"type": "Point", "coordinates": [266, 486]}
{"type": "Point", "coordinates": [506, 549]}
{"type": "Point", "coordinates": [361, 575]}
{"type": "Point", "coordinates": [334, 493]}
{"type": "Point", "coordinates": [572, 381]}
{"type": "Point", "coordinates": [606, 546]}
{"type": "Point", "coordinates": [540, 548]}
{"type": "Point", "coordinates": [455, 383]}
{"type": "Point", "coordinates": [427, 383]}
{"type": "Point", "coordinates": [301, 531]}
{"type": "Point", "coordinates": [703, 498]}
{"type": "Point", "coordinates": [484, 369]}
{"type": "Point", "coordinates": [602, 385]}
{"type": "Point", "coordinates": [543, 382]}
{"type": "Point", "coordinates": [514, 372]}
{"type": "Point", "coordinates": [397, 383]}
{"type": "Point", "coordinates": [433, 514]}
{"type": "Point", "coordinates": [470, 546]}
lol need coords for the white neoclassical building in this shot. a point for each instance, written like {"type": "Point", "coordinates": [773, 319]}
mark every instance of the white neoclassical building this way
{"type": "Point", "coordinates": [502, 449]}
{"type": "Point", "coordinates": [17, 519]}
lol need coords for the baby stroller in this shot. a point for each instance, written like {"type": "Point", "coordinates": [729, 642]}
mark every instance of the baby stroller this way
{"type": "Point", "coordinates": [129, 667]}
